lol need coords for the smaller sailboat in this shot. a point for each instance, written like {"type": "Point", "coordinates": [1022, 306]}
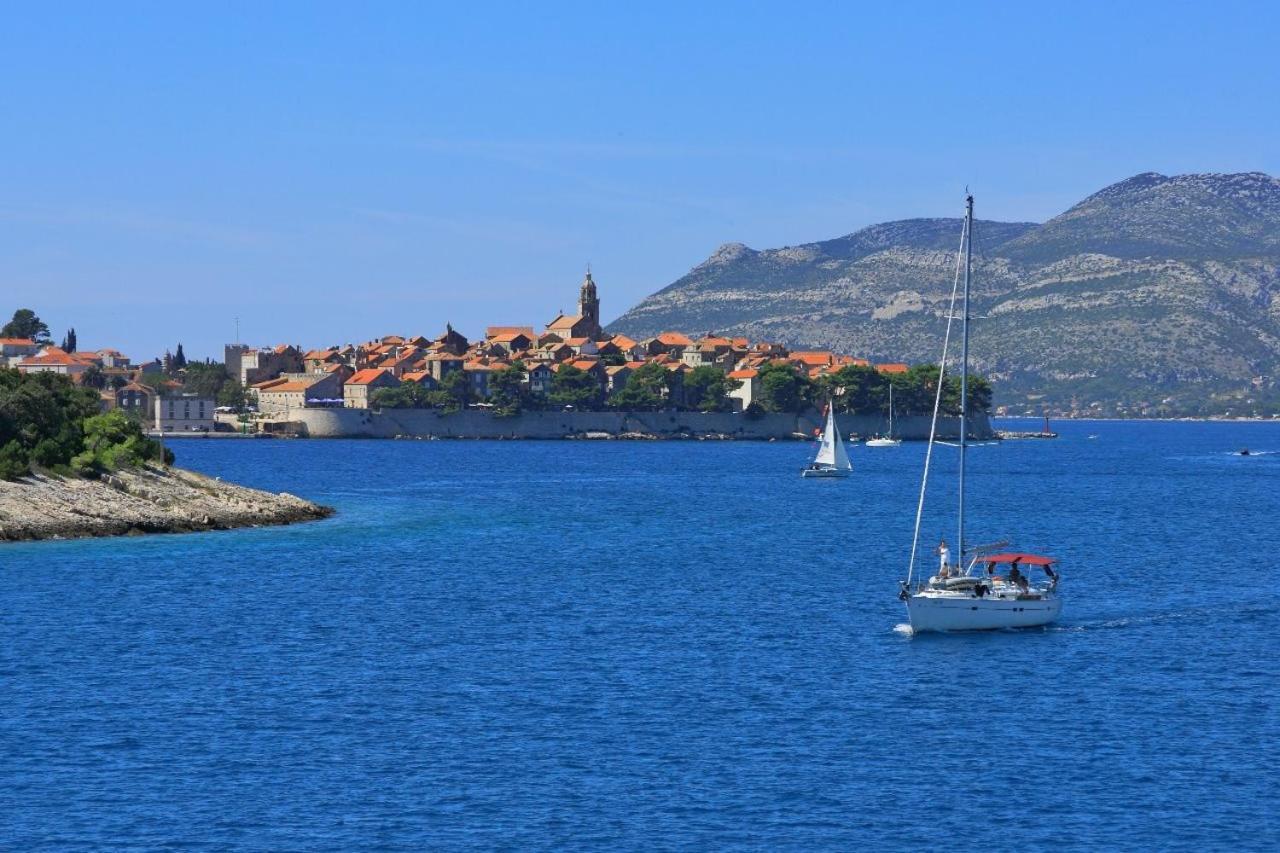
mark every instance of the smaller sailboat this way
{"type": "Point", "coordinates": [832, 459]}
{"type": "Point", "coordinates": [889, 440]}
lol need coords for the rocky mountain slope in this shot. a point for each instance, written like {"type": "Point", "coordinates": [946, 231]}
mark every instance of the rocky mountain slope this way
{"type": "Point", "coordinates": [1154, 289]}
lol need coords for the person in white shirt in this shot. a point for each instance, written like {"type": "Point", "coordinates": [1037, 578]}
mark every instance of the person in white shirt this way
{"type": "Point", "coordinates": [944, 559]}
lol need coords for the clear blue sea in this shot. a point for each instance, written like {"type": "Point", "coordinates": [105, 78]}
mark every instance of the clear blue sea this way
{"type": "Point", "coordinates": [615, 645]}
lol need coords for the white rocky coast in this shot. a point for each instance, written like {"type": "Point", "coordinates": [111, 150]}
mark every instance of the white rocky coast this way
{"type": "Point", "coordinates": [145, 500]}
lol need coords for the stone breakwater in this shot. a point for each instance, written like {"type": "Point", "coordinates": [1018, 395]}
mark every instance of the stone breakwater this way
{"type": "Point", "coordinates": [145, 500]}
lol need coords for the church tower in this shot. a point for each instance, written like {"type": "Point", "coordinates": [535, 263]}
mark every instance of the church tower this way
{"type": "Point", "coordinates": [589, 305]}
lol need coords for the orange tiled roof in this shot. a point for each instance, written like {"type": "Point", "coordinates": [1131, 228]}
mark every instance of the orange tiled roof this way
{"type": "Point", "coordinates": [748, 373]}
{"type": "Point", "coordinates": [17, 342]}
{"type": "Point", "coordinates": [288, 387]}
{"type": "Point", "coordinates": [565, 321]}
{"type": "Point", "coordinates": [673, 339]}
{"type": "Point", "coordinates": [368, 375]}
{"type": "Point", "coordinates": [623, 341]}
{"type": "Point", "coordinates": [812, 358]}
{"type": "Point", "coordinates": [498, 333]}
{"type": "Point", "coordinates": [52, 355]}
{"type": "Point", "coordinates": [892, 368]}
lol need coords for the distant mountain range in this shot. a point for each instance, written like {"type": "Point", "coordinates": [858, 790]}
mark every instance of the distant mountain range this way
{"type": "Point", "coordinates": [1155, 295]}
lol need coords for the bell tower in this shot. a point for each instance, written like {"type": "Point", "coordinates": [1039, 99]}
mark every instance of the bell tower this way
{"type": "Point", "coordinates": [589, 304]}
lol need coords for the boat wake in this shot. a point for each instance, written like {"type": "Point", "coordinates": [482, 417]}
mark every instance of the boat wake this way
{"type": "Point", "coordinates": [903, 628]}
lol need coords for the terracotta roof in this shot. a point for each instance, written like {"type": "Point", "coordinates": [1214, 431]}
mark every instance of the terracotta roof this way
{"type": "Point", "coordinates": [748, 373]}
{"type": "Point", "coordinates": [892, 368]}
{"type": "Point", "coordinates": [673, 339]}
{"type": "Point", "coordinates": [583, 363]}
{"type": "Point", "coordinates": [497, 332]}
{"type": "Point", "coordinates": [291, 386]}
{"type": "Point", "coordinates": [51, 355]}
{"type": "Point", "coordinates": [623, 341]}
{"type": "Point", "coordinates": [368, 375]}
{"type": "Point", "coordinates": [577, 342]}
{"type": "Point", "coordinates": [617, 368]}
{"type": "Point", "coordinates": [17, 342]}
{"type": "Point", "coordinates": [508, 337]}
{"type": "Point", "coordinates": [320, 354]}
{"type": "Point", "coordinates": [816, 357]}
{"type": "Point", "coordinates": [416, 376]}
{"type": "Point", "coordinates": [268, 383]}
{"type": "Point", "coordinates": [565, 321]}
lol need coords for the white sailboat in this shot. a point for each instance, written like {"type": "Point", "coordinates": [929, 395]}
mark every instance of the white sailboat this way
{"type": "Point", "coordinates": [984, 588]}
{"type": "Point", "coordinates": [886, 440]}
{"type": "Point", "coordinates": [832, 459]}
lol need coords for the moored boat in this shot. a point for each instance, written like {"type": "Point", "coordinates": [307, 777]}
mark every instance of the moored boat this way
{"type": "Point", "coordinates": [889, 440]}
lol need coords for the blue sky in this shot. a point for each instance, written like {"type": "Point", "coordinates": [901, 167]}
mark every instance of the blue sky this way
{"type": "Point", "coordinates": [330, 173]}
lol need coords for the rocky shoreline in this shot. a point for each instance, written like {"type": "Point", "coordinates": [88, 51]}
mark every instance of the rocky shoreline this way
{"type": "Point", "coordinates": [145, 500]}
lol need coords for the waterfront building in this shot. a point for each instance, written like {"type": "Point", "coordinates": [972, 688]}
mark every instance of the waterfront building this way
{"type": "Point", "coordinates": [184, 413]}
{"type": "Point", "coordinates": [748, 389]}
{"type": "Point", "coordinates": [360, 388]}
{"type": "Point", "coordinates": [299, 390]}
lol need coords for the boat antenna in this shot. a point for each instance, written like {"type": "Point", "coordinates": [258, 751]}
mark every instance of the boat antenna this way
{"type": "Point", "coordinates": [937, 405]}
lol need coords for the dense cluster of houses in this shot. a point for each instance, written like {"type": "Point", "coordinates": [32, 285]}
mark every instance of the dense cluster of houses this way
{"type": "Point", "coordinates": [285, 377]}
{"type": "Point", "coordinates": [163, 403]}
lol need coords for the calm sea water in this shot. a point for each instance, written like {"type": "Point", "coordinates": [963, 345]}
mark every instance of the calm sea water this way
{"type": "Point", "coordinates": [611, 645]}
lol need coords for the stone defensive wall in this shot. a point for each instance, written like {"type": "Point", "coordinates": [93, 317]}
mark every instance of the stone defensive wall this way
{"type": "Point", "coordinates": [475, 423]}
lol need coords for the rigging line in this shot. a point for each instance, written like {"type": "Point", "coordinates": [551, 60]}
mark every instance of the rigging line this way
{"type": "Point", "coordinates": [937, 404]}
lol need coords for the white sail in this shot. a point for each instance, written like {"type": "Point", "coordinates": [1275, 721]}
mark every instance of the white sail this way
{"type": "Point", "coordinates": [832, 451]}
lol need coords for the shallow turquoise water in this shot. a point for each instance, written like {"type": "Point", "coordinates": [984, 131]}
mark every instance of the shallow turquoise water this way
{"type": "Point", "coordinates": [634, 645]}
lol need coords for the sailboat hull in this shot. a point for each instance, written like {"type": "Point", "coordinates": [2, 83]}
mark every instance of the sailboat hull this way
{"type": "Point", "coordinates": [825, 472]}
{"type": "Point", "coordinates": [883, 442]}
{"type": "Point", "coordinates": [949, 612]}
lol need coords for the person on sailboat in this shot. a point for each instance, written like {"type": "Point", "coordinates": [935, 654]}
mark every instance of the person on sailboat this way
{"type": "Point", "coordinates": [1018, 578]}
{"type": "Point", "coordinates": [944, 559]}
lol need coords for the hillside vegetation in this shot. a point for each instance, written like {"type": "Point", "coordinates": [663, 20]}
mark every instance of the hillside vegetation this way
{"type": "Point", "coordinates": [1155, 295]}
{"type": "Point", "coordinates": [48, 422]}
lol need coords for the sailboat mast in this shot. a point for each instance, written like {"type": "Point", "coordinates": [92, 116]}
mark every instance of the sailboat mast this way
{"type": "Point", "coordinates": [964, 369]}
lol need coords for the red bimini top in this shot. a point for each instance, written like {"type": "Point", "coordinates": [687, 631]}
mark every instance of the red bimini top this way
{"type": "Point", "coordinates": [1021, 559]}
